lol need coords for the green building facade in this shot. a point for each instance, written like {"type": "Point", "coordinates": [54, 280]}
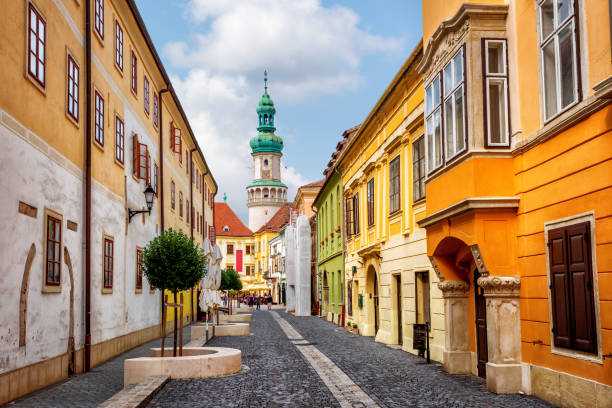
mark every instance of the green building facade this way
{"type": "Point", "coordinates": [330, 249]}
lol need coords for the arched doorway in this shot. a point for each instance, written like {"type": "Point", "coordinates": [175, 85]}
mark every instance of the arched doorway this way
{"type": "Point", "coordinates": [371, 323]}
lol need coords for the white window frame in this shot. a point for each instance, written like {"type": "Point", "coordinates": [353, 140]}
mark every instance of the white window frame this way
{"type": "Point", "coordinates": [457, 88]}
{"type": "Point", "coordinates": [553, 36]}
{"type": "Point", "coordinates": [431, 109]}
{"type": "Point", "coordinates": [503, 77]}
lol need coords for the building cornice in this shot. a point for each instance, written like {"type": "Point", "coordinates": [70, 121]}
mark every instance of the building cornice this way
{"type": "Point", "coordinates": [455, 23]}
{"type": "Point", "coordinates": [470, 204]}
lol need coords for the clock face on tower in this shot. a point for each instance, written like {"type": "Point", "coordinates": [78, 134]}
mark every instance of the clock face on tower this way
{"type": "Point", "coordinates": [266, 193]}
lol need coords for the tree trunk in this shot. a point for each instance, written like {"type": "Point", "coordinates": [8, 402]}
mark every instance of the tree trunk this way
{"type": "Point", "coordinates": [175, 322]}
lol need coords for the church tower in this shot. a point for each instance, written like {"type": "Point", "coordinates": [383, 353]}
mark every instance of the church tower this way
{"type": "Point", "coordinates": [266, 194]}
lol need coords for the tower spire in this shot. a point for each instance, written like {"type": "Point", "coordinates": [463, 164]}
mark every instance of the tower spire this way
{"type": "Point", "coordinates": [266, 81]}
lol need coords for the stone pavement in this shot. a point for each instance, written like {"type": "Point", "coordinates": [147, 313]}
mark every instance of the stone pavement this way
{"type": "Point", "coordinates": [277, 373]}
{"type": "Point", "coordinates": [92, 388]}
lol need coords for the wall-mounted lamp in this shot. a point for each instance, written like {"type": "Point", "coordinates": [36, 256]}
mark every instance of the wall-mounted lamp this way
{"type": "Point", "coordinates": [149, 193]}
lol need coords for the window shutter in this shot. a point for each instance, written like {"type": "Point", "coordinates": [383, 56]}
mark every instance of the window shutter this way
{"type": "Point", "coordinates": [177, 140]}
{"type": "Point", "coordinates": [580, 274]}
{"type": "Point", "coordinates": [148, 168]}
{"type": "Point", "coordinates": [559, 288]}
{"type": "Point", "coordinates": [136, 159]}
{"type": "Point", "coordinates": [347, 216]}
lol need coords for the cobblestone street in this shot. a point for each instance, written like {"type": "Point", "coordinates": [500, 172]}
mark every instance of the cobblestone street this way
{"type": "Point", "coordinates": [278, 372]}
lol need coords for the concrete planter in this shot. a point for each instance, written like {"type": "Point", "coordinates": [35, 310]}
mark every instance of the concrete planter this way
{"type": "Point", "coordinates": [355, 330]}
{"type": "Point", "coordinates": [236, 318]}
{"type": "Point", "coordinates": [196, 362]}
{"type": "Point", "coordinates": [223, 329]}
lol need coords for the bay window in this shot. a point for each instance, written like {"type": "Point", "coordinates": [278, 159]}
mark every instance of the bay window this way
{"type": "Point", "coordinates": [454, 106]}
{"type": "Point", "coordinates": [445, 124]}
{"type": "Point", "coordinates": [497, 125]}
{"type": "Point", "coordinates": [558, 55]}
{"type": "Point", "coordinates": [433, 113]}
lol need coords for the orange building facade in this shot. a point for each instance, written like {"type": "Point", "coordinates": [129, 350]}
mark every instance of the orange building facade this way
{"type": "Point", "coordinates": [519, 192]}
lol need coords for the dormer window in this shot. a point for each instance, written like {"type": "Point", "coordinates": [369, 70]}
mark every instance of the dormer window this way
{"type": "Point", "coordinates": [225, 228]}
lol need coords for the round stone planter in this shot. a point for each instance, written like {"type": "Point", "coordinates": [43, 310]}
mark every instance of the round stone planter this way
{"type": "Point", "coordinates": [196, 362]}
{"type": "Point", "coordinates": [223, 329]}
{"type": "Point", "coordinates": [236, 318]}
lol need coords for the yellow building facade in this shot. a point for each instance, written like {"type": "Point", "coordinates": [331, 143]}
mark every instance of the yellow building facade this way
{"type": "Point", "coordinates": [390, 284]}
{"type": "Point", "coordinates": [89, 119]}
{"type": "Point", "coordinates": [518, 192]}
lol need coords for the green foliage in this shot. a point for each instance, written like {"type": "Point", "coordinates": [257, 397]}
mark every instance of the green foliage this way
{"type": "Point", "coordinates": [354, 325]}
{"type": "Point", "coordinates": [230, 280]}
{"type": "Point", "coordinates": [172, 261]}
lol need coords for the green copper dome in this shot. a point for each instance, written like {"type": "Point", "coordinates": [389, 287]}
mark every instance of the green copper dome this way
{"type": "Point", "coordinates": [266, 140]}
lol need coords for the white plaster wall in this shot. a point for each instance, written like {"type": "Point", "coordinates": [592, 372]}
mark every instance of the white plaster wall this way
{"type": "Point", "coordinates": [124, 310]}
{"type": "Point", "coordinates": [33, 172]}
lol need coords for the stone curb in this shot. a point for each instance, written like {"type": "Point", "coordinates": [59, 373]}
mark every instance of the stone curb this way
{"type": "Point", "coordinates": [137, 396]}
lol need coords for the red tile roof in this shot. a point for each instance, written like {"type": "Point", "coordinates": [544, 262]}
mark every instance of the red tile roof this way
{"type": "Point", "coordinates": [278, 220]}
{"type": "Point", "coordinates": [317, 183]}
{"type": "Point", "coordinates": [225, 217]}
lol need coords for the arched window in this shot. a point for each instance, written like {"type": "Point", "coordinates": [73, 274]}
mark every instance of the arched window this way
{"type": "Point", "coordinates": [266, 163]}
{"type": "Point", "coordinates": [265, 119]}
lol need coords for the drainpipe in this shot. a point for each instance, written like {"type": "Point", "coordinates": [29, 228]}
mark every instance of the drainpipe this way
{"type": "Point", "coordinates": [88, 187]}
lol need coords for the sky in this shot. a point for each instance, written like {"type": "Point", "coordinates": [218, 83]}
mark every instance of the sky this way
{"type": "Point", "coordinates": [328, 62]}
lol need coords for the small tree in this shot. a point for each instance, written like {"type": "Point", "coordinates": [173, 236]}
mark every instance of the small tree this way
{"type": "Point", "coordinates": [173, 262]}
{"type": "Point", "coordinates": [230, 281]}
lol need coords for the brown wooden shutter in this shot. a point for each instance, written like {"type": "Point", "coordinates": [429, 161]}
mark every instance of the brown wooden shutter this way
{"type": "Point", "coordinates": [559, 288]}
{"type": "Point", "coordinates": [347, 217]}
{"type": "Point", "coordinates": [580, 275]}
{"type": "Point", "coordinates": [136, 159]}
{"type": "Point", "coordinates": [356, 213]}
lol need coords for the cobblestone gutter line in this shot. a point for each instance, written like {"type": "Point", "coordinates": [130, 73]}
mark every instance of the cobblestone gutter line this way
{"type": "Point", "coordinates": [137, 396]}
{"type": "Point", "coordinates": [341, 386]}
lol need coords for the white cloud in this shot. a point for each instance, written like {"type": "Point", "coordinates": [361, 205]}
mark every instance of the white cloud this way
{"type": "Point", "coordinates": [308, 49]}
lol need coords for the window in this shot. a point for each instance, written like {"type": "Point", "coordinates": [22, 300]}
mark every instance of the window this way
{"type": "Point", "coordinates": [371, 202]}
{"type": "Point", "coordinates": [495, 80]}
{"type": "Point", "coordinates": [99, 17]}
{"type": "Point", "coordinates": [180, 203]}
{"type": "Point", "coordinates": [145, 87]}
{"type": "Point", "coordinates": [142, 160]}
{"type": "Point", "coordinates": [433, 119]}
{"type": "Point", "coordinates": [118, 46]}
{"type": "Point", "coordinates": [559, 56]}
{"type": "Point", "coordinates": [134, 73]}
{"type": "Point", "coordinates": [99, 118]}
{"type": "Point", "coordinates": [198, 221]}
{"type": "Point", "coordinates": [247, 251]}
{"type": "Point", "coordinates": [119, 140]}
{"type": "Point", "coordinates": [348, 217]}
{"type": "Point", "coordinates": [138, 269]}
{"type": "Point", "coordinates": [155, 178]}
{"type": "Point", "coordinates": [453, 132]}
{"type": "Point", "coordinates": [394, 185]}
{"type": "Point", "coordinates": [230, 249]}
{"type": "Point", "coordinates": [172, 194]}
{"type": "Point", "coordinates": [571, 287]}
{"type": "Point", "coordinates": [72, 93]}
{"type": "Point", "coordinates": [187, 211]}
{"type": "Point", "coordinates": [36, 45]}
{"type": "Point", "coordinates": [155, 109]}
{"type": "Point", "coordinates": [177, 141]}
{"type": "Point", "coordinates": [454, 110]}
{"type": "Point", "coordinates": [53, 250]}
{"type": "Point", "coordinates": [418, 169]}
{"type": "Point", "coordinates": [356, 213]}
{"type": "Point", "coordinates": [108, 263]}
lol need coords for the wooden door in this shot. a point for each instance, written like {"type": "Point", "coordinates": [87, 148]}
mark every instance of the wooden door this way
{"type": "Point", "coordinates": [400, 331]}
{"type": "Point", "coordinates": [481, 327]}
{"type": "Point", "coordinates": [375, 304]}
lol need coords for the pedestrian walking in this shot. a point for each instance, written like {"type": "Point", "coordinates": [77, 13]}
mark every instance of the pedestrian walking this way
{"type": "Point", "coordinates": [269, 299]}
{"type": "Point", "coordinates": [258, 302]}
